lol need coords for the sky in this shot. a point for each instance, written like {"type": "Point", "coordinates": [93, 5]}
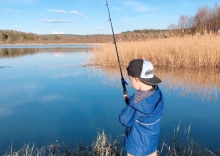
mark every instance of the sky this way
{"type": "Point", "coordinates": [85, 17]}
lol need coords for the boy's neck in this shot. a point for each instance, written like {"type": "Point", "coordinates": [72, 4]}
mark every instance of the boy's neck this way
{"type": "Point", "coordinates": [145, 87]}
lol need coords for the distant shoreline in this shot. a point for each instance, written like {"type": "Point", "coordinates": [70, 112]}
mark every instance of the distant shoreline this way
{"type": "Point", "coordinates": [47, 43]}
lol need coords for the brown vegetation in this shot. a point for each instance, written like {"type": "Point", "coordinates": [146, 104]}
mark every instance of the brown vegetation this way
{"type": "Point", "coordinates": [198, 51]}
{"type": "Point", "coordinates": [192, 43]}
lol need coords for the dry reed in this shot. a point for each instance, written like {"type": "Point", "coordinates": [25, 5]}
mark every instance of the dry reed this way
{"type": "Point", "coordinates": [26, 150]}
{"type": "Point", "coordinates": [104, 145]}
{"type": "Point", "coordinates": [198, 51]}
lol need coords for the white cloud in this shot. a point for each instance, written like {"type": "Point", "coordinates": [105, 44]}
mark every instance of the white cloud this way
{"type": "Point", "coordinates": [76, 12]}
{"type": "Point", "coordinates": [58, 32]}
{"type": "Point", "coordinates": [56, 21]}
{"type": "Point", "coordinates": [57, 11]}
{"type": "Point", "coordinates": [65, 12]}
{"type": "Point", "coordinates": [100, 28]}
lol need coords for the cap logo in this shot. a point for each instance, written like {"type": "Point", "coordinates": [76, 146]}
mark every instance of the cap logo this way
{"type": "Point", "coordinates": [147, 70]}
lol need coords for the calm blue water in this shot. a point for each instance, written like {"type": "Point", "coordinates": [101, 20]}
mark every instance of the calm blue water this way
{"type": "Point", "coordinates": [48, 96]}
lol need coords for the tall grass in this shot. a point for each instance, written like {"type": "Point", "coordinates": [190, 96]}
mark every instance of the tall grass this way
{"type": "Point", "coordinates": [198, 51]}
{"type": "Point", "coordinates": [106, 146]}
{"type": "Point", "coordinates": [27, 150]}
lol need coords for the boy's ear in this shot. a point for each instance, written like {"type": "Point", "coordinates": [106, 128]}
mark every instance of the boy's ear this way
{"type": "Point", "coordinates": [136, 79]}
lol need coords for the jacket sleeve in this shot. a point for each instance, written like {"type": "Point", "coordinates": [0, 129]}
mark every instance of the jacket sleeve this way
{"type": "Point", "coordinates": [127, 116]}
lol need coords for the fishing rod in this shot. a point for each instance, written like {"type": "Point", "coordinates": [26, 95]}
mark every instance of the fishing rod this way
{"type": "Point", "coordinates": [123, 82]}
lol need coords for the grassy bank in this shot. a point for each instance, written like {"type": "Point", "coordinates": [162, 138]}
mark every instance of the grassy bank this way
{"type": "Point", "coordinates": [198, 51]}
{"type": "Point", "coordinates": [105, 146]}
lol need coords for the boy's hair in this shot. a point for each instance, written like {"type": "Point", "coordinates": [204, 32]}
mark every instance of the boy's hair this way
{"type": "Point", "coordinates": [143, 70]}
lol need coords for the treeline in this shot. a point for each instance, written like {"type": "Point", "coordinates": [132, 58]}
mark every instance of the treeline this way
{"type": "Point", "coordinates": [207, 19]}
{"type": "Point", "coordinates": [10, 36]}
{"type": "Point", "coordinates": [16, 37]}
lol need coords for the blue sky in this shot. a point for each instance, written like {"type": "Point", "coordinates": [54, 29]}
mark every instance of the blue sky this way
{"type": "Point", "coordinates": [91, 16]}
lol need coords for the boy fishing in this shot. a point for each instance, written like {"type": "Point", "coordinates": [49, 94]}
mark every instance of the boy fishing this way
{"type": "Point", "coordinates": [142, 114]}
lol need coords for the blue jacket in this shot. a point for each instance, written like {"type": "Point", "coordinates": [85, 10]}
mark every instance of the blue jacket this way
{"type": "Point", "coordinates": [142, 122]}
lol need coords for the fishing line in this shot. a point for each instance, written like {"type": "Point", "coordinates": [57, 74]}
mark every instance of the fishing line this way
{"type": "Point", "coordinates": [123, 82]}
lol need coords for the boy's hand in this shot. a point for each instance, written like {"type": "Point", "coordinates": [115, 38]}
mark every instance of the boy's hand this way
{"type": "Point", "coordinates": [126, 98]}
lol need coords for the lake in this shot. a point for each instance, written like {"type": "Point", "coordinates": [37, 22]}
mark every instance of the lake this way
{"type": "Point", "coordinates": [48, 95]}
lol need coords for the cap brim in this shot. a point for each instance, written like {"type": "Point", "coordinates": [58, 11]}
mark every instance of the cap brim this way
{"type": "Point", "coordinates": [153, 81]}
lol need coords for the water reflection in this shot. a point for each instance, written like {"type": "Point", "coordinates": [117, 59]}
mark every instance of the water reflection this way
{"type": "Point", "coordinates": [203, 83]}
{"type": "Point", "coordinates": [15, 52]}
{"type": "Point", "coordinates": [61, 100]}
{"type": "Point", "coordinates": [10, 51]}
{"type": "Point", "coordinates": [39, 98]}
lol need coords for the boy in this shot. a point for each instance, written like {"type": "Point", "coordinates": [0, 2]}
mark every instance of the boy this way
{"type": "Point", "coordinates": [142, 114]}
